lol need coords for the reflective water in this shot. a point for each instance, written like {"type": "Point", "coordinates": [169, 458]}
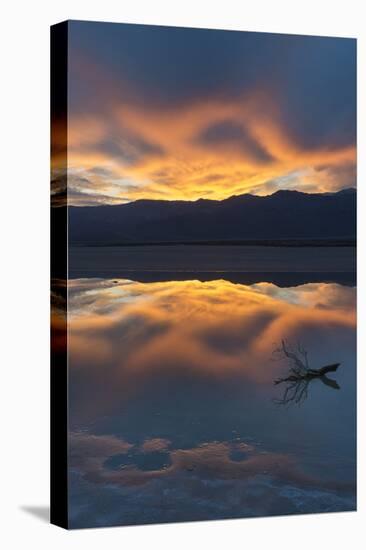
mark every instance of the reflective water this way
{"type": "Point", "coordinates": [174, 414]}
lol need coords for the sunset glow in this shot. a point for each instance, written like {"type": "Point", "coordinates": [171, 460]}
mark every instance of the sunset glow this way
{"type": "Point", "coordinates": [181, 125]}
{"type": "Point", "coordinates": [203, 265]}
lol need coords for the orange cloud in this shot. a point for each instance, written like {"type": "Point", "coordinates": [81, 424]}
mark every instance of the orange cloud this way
{"type": "Point", "coordinates": [133, 152]}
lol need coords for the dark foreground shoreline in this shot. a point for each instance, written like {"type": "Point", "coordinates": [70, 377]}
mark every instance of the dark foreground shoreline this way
{"type": "Point", "coordinates": [297, 243]}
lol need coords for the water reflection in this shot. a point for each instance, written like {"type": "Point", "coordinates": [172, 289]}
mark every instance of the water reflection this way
{"type": "Point", "coordinates": [171, 401]}
{"type": "Point", "coordinates": [300, 374]}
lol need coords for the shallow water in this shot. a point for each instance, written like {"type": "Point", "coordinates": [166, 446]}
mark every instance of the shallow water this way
{"type": "Point", "coordinates": [174, 414]}
{"type": "Point", "coordinates": [186, 261]}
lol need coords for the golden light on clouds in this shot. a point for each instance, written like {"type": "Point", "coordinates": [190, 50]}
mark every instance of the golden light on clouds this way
{"type": "Point", "coordinates": [225, 114]}
{"type": "Point", "coordinates": [211, 149]}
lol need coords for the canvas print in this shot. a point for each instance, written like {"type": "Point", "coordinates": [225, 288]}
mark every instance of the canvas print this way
{"type": "Point", "coordinates": [203, 274]}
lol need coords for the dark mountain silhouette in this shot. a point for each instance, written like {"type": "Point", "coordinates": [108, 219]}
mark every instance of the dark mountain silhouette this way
{"type": "Point", "coordinates": [284, 215]}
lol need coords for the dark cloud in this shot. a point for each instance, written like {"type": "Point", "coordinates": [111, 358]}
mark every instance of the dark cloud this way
{"type": "Point", "coordinates": [316, 87]}
{"type": "Point", "coordinates": [228, 134]}
{"type": "Point", "coordinates": [311, 79]}
{"type": "Point", "coordinates": [130, 149]}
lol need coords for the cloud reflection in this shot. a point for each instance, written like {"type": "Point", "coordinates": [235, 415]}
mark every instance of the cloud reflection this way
{"type": "Point", "coordinates": [123, 334]}
{"type": "Point", "coordinates": [104, 459]}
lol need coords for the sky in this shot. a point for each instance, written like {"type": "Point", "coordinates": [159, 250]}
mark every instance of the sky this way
{"type": "Point", "coordinates": [182, 114]}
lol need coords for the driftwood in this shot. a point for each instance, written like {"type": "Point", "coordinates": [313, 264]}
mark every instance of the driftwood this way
{"type": "Point", "coordinates": [300, 374]}
{"type": "Point", "coordinates": [309, 374]}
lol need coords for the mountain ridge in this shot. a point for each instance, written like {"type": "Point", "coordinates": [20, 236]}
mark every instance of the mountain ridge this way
{"type": "Point", "coordinates": [285, 214]}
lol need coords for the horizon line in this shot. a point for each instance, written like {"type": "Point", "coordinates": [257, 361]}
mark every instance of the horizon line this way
{"type": "Point", "coordinates": [325, 193]}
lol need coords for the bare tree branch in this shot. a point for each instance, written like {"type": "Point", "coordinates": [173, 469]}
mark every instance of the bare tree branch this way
{"type": "Point", "coordinates": [300, 374]}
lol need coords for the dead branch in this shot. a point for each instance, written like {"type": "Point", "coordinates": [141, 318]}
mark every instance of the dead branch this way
{"type": "Point", "coordinates": [300, 374]}
{"type": "Point", "coordinates": [309, 374]}
{"type": "Point", "coordinates": [299, 366]}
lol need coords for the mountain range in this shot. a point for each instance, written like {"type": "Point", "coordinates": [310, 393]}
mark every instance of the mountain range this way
{"type": "Point", "coordinates": [284, 215]}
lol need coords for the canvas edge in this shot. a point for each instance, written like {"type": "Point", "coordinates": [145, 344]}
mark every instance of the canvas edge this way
{"type": "Point", "coordinates": [58, 254]}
